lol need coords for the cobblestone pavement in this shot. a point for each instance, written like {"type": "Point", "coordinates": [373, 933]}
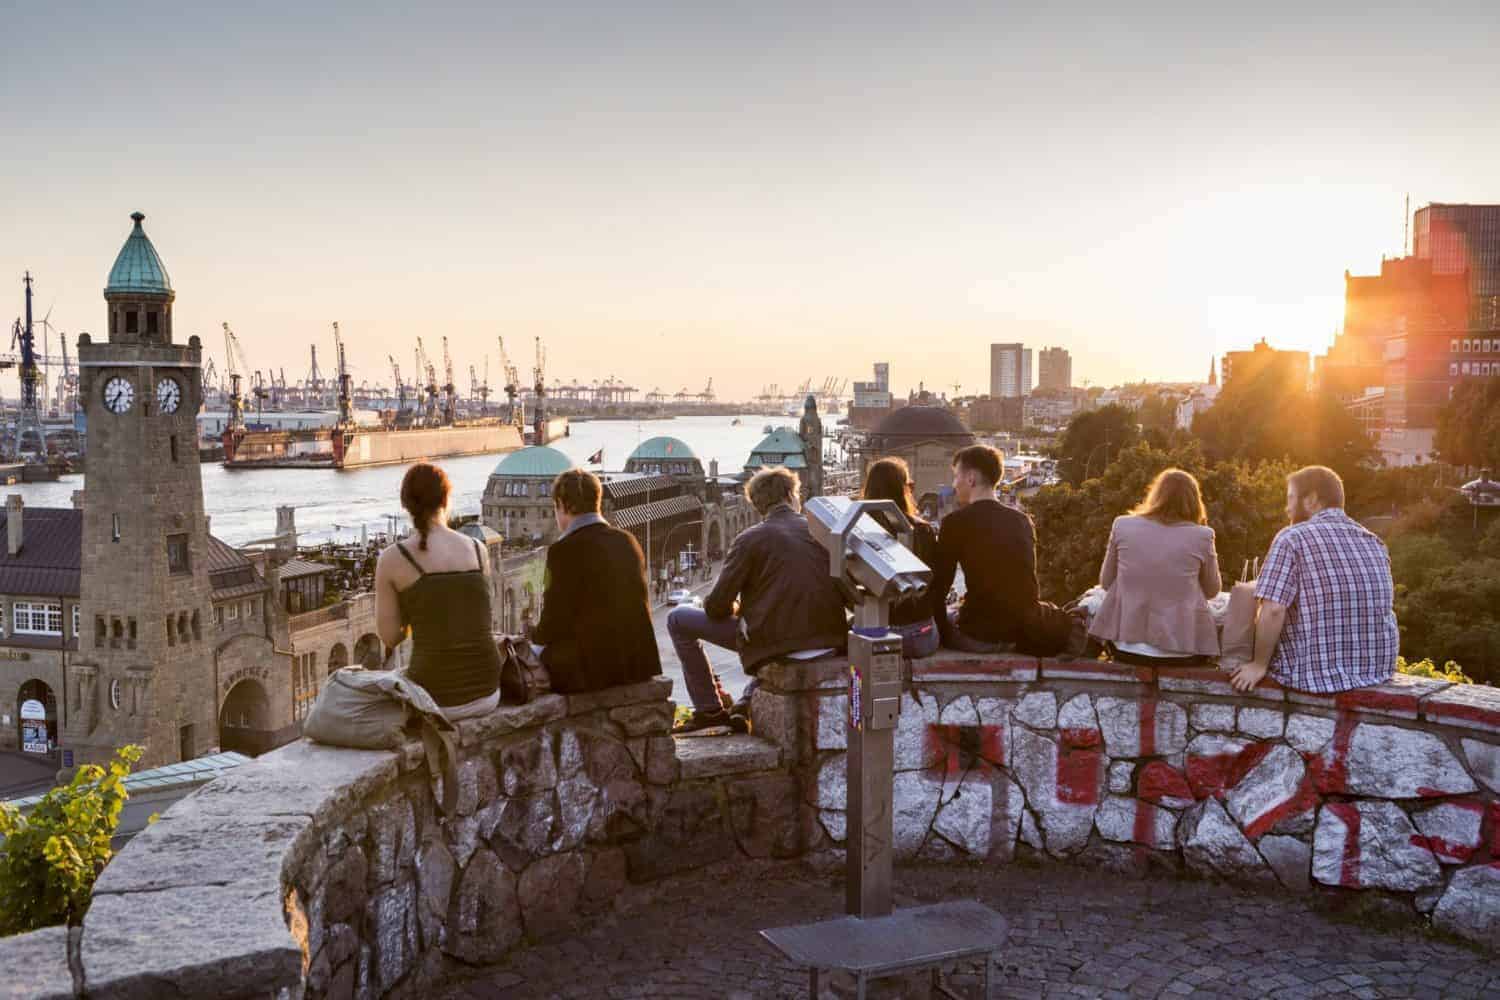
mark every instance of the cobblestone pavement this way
{"type": "Point", "coordinates": [1074, 933]}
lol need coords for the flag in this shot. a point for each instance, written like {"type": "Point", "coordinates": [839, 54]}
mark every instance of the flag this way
{"type": "Point", "coordinates": [597, 458]}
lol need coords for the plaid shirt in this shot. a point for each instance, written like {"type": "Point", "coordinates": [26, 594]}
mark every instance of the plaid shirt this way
{"type": "Point", "coordinates": [1334, 577]}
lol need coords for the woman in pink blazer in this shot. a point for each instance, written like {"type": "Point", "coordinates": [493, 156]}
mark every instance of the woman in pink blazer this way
{"type": "Point", "coordinates": [1159, 570]}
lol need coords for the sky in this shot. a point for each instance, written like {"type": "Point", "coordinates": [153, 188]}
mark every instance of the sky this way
{"type": "Point", "coordinates": [761, 193]}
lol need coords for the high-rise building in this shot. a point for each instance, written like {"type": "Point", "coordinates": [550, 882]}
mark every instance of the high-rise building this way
{"type": "Point", "coordinates": [1459, 239]}
{"type": "Point", "coordinates": [1054, 368]}
{"type": "Point", "coordinates": [876, 394]}
{"type": "Point", "coordinates": [1010, 370]}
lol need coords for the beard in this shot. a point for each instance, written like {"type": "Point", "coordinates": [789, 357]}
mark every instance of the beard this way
{"type": "Point", "coordinates": [1299, 514]}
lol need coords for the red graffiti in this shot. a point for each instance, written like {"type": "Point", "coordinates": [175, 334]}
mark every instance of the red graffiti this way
{"type": "Point", "coordinates": [1159, 780]}
{"type": "Point", "coordinates": [1078, 775]}
{"type": "Point", "coordinates": [954, 749]}
{"type": "Point", "coordinates": [1214, 774]}
{"type": "Point", "coordinates": [1330, 775]}
{"type": "Point", "coordinates": [1148, 727]}
{"type": "Point", "coordinates": [1081, 739]}
{"type": "Point", "coordinates": [1348, 814]}
{"type": "Point", "coordinates": [1495, 831]}
{"type": "Point", "coordinates": [1443, 848]}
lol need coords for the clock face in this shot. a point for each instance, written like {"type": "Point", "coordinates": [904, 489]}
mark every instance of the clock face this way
{"type": "Point", "coordinates": [168, 395]}
{"type": "Point", "coordinates": [118, 394]}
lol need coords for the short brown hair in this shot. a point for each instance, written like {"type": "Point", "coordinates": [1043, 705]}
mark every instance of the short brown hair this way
{"type": "Point", "coordinates": [772, 486]}
{"type": "Point", "coordinates": [577, 491]}
{"type": "Point", "coordinates": [980, 458]}
{"type": "Point", "coordinates": [1319, 481]}
{"type": "Point", "coordinates": [1173, 497]}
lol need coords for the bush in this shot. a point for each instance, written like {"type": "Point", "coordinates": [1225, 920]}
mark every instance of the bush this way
{"type": "Point", "coordinates": [52, 856]}
{"type": "Point", "coordinates": [1450, 671]}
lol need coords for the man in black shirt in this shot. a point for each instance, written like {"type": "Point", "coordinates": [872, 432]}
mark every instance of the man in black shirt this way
{"type": "Point", "coordinates": [996, 546]}
{"type": "Point", "coordinates": [596, 620]}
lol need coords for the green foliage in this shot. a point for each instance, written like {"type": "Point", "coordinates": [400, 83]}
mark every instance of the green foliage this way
{"type": "Point", "coordinates": [1092, 441]}
{"type": "Point", "coordinates": [1453, 613]}
{"type": "Point", "coordinates": [1415, 558]}
{"type": "Point", "coordinates": [1468, 430]}
{"type": "Point", "coordinates": [52, 855]}
{"type": "Point", "coordinates": [1449, 671]}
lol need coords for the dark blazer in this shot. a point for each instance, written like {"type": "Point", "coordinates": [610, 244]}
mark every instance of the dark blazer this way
{"type": "Point", "coordinates": [596, 618]}
{"type": "Point", "coordinates": [996, 546]}
{"type": "Point", "coordinates": [788, 600]}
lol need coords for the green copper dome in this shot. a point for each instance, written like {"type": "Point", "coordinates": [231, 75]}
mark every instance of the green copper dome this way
{"type": "Point", "coordinates": [138, 269]}
{"type": "Point", "coordinates": [659, 448]}
{"type": "Point", "coordinates": [781, 447]}
{"type": "Point", "coordinates": [535, 462]}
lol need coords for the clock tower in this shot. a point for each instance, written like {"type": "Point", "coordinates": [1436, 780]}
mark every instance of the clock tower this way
{"type": "Point", "coordinates": [144, 671]}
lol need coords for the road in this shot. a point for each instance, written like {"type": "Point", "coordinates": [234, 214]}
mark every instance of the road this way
{"type": "Point", "coordinates": [726, 663]}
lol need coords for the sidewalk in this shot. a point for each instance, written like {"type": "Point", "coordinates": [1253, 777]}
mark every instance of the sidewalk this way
{"type": "Point", "coordinates": [1073, 932]}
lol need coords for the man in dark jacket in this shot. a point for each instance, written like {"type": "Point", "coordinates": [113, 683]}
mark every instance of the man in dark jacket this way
{"type": "Point", "coordinates": [596, 619]}
{"type": "Point", "coordinates": [788, 602]}
{"type": "Point", "coordinates": [996, 546]}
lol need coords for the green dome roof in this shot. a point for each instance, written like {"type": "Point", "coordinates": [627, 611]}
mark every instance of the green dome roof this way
{"type": "Point", "coordinates": [535, 462]}
{"type": "Point", "coordinates": [662, 448]}
{"type": "Point", "coordinates": [138, 268]}
{"type": "Point", "coordinates": [781, 441]}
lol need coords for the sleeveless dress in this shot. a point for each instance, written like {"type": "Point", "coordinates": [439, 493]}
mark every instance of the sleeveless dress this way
{"type": "Point", "coordinates": [453, 653]}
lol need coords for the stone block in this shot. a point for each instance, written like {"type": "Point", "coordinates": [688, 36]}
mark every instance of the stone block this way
{"type": "Point", "coordinates": [831, 788]}
{"type": "Point", "coordinates": [1213, 681]}
{"type": "Point", "coordinates": [1095, 670]}
{"type": "Point", "coordinates": [1121, 774]}
{"type": "Point", "coordinates": [1127, 820]}
{"type": "Point", "coordinates": [1142, 727]}
{"type": "Point", "coordinates": [1470, 908]}
{"type": "Point", "coordinates": [1210, 717]}
{"type": "Point", "coordinates": [835, 823]}
{"type": "Point", "coordinates": [484, 916]}
{"type": "Point", "coordinates": [688, 831]}
{"type": "Point", "coordinates": [1269, 791]}
{"type": "Point", "coordinates": [661, 760]}
{"type": "Point", "coordinates": [830, 719]}
{"type": "Point", "coordinates": [773, 717]}
{"type": "Point", "coordinates": [657, 689]}
{"type": "Point", "coordinates": [1472, 706]}
{"type": "Point", "coordinates": [1451, 830]}
{"type": "Point", "coordinates": [1062, 786]}
{"type": "Point", "coordinates": [958, 711]}
{"type": "Point", "coordinates": [717, 756]}
{"type": "Point", "coordinates": [1484, 762]}
{"type": "Point", "coordinates": [392, 842]}
{"type": "Point", "coordinates": [518, 829]}
{"type": "Point", "coordinates": [189, 941]}
{"type": "Point", "coordinates": [391, 928]}
{"type": "Point", "coordinates": [190, 846]}
{"type": "Point", "coordinates": [1037, 710]}
{"type": "Point", "coordinates": [788, 676]}
{"type": "Point", "coordinates": [913, 750]}
{"type": "Point", "coordinates": [1309, 733]}
{"type": "Point", "coordinates": [477, 785]}
{"type": "Point", "coordinates": [528, 765]}
{"type": "Point", "coordinates": [34, 966]}
{"type": "Point", "coordinates": [549, 893]}
{"type": "Point", "coordinates": [302, 778]}
{"type": "Point", "coordinates": [949, 665]}
{"type": "Point", "coordinates": [966, 813]}
{"type": "Point", "coordinates": [1371, 845]}
{"type": "Point", "coordinates": [1077, 715]}
{"type": "Point", "coordinates": [606, 879]}
{"type": "Point", "coordinates": [643, 719]}
{"type": "Point", "coordinates": [512, 718]}
{"type": "Point", "coordinates": [914, 804]}
{"type": "Point", "coordinates": [1262, 723]}
{"type": "Point", "coordinates": [435, 875]}
{"type": "Point", "coordinates": [1162, 784]}
{"type": "Point", "coordinates": [768, 817]}
{"type": "Point", "coordinates": [1395, 763]}
{"type": "Point", "coordinates": [1213, 845]}
{"type": "Point", "coordinates": [345, 887]}
{"type": "Point", "coordinates": [1290, 858]}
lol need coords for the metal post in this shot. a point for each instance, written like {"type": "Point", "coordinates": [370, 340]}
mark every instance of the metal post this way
{"type": "Point", "coordinates": [874, 702]}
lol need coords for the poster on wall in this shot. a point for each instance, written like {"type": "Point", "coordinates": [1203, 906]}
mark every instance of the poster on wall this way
{"type": "Point", "coordinates": [34, 735]}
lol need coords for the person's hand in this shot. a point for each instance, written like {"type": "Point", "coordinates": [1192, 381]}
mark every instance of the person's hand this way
{"type": "Point", "coordinates": [1244, 677]}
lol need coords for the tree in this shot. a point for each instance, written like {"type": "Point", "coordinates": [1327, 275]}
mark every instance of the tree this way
{"type": "Point", "coordinates": [1092, 438]}
{"type": "Point", "coordinates": [53, 854]}
{"type": "Point", "coordinates": [1468, 424]}
{"type": "Point", "coordinates": [1453, 615]}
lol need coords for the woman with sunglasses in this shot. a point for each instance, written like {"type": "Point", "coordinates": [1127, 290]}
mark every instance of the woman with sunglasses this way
{"type": "Point", "coordinates": [911, 618]}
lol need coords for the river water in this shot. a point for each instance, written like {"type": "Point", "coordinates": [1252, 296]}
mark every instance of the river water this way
{"type": "Point", "coordinates": [336, 505]}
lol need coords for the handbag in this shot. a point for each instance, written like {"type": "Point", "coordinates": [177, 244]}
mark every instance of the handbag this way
{"type": "Point", "coordinates": [370, 710]}
{"type": "Point", "coordinates": [523, 676]}
{"type": "Point", "coordinates": [1237, 640]}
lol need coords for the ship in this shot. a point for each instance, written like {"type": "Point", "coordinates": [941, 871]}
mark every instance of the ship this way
{"type": "Point", "coordinates": [423, 433]}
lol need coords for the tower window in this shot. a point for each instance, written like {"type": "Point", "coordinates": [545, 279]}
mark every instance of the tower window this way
{"type": "Point", "coordinates": [177, 554]}
{"type": "Point", "coordinates": [99, 631]}
{"type": "Point", "coordinates": [116, 633]}
{"type": "Point", "coordinates": [171, 632]}
{"type": "Point", "coordinates": [130, 633]}
{"type": "Point", "coordinates": [197, 626]}
{"type": "Point", "coordinates": [172, 442]}
{"type": "Point", "coordinates": [151, 323]}
{"type": "Point", "coordinates": [132, 321]}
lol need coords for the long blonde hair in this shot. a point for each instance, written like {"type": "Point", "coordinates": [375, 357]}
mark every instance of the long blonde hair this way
{"type": "Point", "coordinates": [1173, 497]}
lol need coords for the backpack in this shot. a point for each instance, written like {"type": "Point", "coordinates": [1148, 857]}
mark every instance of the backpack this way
{"type": "Point", "coordinates": [522, 674]}
{"type": "Point", "coordinates": [369, 710]}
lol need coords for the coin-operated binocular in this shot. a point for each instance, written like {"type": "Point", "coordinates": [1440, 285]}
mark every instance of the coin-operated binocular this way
{"type": "Point", "coordinates": [874, 569]}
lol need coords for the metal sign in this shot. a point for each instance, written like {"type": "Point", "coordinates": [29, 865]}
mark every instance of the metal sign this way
{"type": "Point", "coordinates": [33, 709]}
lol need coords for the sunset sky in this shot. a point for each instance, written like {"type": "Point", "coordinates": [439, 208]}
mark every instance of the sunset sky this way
{"type": "Point", "coordinates": [761, 193]}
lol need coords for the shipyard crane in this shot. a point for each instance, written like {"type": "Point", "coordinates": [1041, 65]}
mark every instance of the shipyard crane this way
{"type": "Point", "coordinates": [27, 417]}
{"type": "Point", "coordinates": [681, 395]}
{"type": "Point", "coordinates": [209, 377]}
{"type": "Point", "coordinates": [450, 392]}
{"type": "Point", "coordinates": [512, 377]}
{"type": "Point", "coordinates": [234, 360]}
{"type": "Point", "coordinates": [707, 395]}
{"type": "Point", "coordinates": [430, 390]}
{"type": "Point", "coordinates": [346, 396]}
{"type": "Point", "coordinates": [400, 386]}
{"type": "Point", "coordinates": [258, 391]}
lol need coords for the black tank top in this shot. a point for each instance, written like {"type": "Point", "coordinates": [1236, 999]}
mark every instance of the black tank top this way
{"type": "Point", "coordinates": [453, 653]}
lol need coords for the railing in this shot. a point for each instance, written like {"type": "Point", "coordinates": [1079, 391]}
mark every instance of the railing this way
{"type": "Point", "coordinates": [322, 616]}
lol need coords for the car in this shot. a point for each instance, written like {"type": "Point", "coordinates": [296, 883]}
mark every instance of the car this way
{"type": "Point", "coordinates": [683, 596]}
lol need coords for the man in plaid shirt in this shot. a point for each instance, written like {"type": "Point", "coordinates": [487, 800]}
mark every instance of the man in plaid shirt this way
{"type": "Point", "coordinates": [1326, 622]}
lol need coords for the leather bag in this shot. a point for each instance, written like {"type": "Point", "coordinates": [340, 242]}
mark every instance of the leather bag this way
{"type": "Point", "coordinates": [523, 676]}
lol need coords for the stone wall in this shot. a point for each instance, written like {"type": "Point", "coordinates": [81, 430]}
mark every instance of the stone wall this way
{"type": "Point", "coordinates": [1387, 796]}
{"type": "Point", "coordinates": [321, 872]}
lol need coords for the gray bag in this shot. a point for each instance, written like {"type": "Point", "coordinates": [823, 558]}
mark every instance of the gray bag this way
{"type": "Point", "coordinates": [369, 710]}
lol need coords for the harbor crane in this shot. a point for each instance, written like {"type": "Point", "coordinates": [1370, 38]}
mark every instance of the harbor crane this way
{"type": "Point", "coordinates": [315, 383]}
{"type": "Point", "coordinates": [234, 361]}
{"type": "Point", "coordinates": [28, 418]}
{"type": "Point", "coordinates": [450, 393]}
{"type": "Point", "coordinates": [681, 395]}
{"type": "Point", "coordinates": [430, 389]}
{"type": "Point", "coordinates": [400, 386]}
{"type": "Point", "coordinates": [512, 385]}
{"type": "Point", "coordinates": [346, 395]}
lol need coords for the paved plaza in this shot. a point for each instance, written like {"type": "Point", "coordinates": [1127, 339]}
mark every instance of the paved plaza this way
{"type": "Point", "coordinates": [1074, 933]}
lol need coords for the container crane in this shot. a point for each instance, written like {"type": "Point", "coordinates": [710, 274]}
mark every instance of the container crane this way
{"type": "Point", "coordinates": [234, 360]}
{"type": "Point", "coordinates": [512, 386]}
{"type": "Point", "coordinates": [450, 392]}
{"type": "Point", "coordinates": [28, 418]}
{"type": "Point", "coordinates": [346, 395]}
{"type": "Point", "coordinates": [707, 395]}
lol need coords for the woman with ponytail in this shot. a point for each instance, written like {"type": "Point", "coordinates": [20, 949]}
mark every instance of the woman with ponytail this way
{"type": "Point", "coordinates": [436, 588]}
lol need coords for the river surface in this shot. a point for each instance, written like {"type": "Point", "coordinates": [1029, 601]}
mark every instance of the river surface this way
{"type": "Point", "coordinates": [336, 505]}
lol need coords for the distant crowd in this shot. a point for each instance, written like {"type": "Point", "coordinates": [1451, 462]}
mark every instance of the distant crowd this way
{"type": "Point", "coordinates": [1323, 618]}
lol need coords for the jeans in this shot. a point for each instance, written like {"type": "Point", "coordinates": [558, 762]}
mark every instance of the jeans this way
{"type": "Point", "coordinates": [967, 643]}
{"type": "Point", "coordinates": [687, 627]}
{"type": "Point", "coordinates": [915, 642]}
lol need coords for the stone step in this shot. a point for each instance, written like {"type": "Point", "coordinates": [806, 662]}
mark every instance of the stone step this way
{"type": "Point", "coordinates": [716, 756]}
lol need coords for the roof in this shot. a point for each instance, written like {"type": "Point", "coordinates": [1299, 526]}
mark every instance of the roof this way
{"type": "Point", "coordinates": [534, 462]}
{"type": "Point", "coordinates": [781, 441]}
{"type": "Point", "coordinates": [616, 490]}
{"type": "Point", "coordinates": [634, 517]}
{"type": "Point", "coordinates": [922, 422]}
{"type": "Point", "coordinates": [223, 556]}
{"type": "Point", "coordinates": [293, 568]}
{"type": "Point", "coordinates": [230, 573]}
{"type": "Point", "coordinates": [51, 555]}
{"type": "Point", "coordinates": [483, 532]}
{"type": "Point", "coordinates": [770, 462]}
{"type": "Point", "coordinates": [187, 772]}
{"type": "Point", "coordinates": [662, 447]}
{"type": "Point", "coordinates": [138, 268]}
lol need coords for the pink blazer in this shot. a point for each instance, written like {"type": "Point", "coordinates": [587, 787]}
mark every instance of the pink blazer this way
{"type": "Point", "coordinates": [1158, 577]}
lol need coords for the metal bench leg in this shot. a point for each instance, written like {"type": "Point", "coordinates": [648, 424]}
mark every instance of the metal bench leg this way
{"type": "Point", "coordinates": [989, 961]}
{"type": "Point", "coordinates": [859, 986]}
{"type": "Point", "coordinates": [815, 981]}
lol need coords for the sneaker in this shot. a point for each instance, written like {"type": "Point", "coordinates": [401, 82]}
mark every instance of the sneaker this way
{"type": "Point", "coordinates": [739, 719]}
{"type": "Point", "coordinates": [699, 721]}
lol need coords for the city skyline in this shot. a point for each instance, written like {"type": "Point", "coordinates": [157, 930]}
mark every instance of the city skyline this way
{"type": "Point", "coordinates": [761, 181]}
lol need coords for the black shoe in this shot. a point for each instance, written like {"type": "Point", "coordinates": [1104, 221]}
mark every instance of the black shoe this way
{"type": "Point", "coordinates": [699, 721]}
{"type": "Point", "coordinates": [739, 719]}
